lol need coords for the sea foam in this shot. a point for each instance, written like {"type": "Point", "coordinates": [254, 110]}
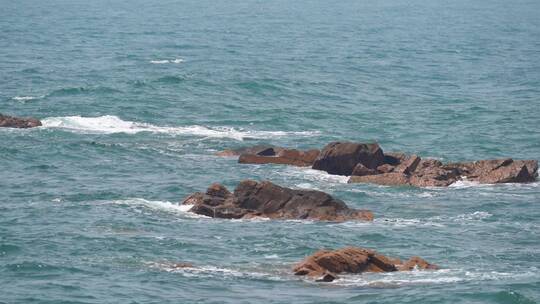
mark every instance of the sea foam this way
{"type": "Point", "coordinates": [110, 124]}
{"type": "Point", "coordinates": [177, 60]}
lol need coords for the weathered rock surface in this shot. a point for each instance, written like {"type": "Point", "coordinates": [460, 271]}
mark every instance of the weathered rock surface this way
{"type": "Point", "coordinates": [280, 156]}
{"type": "Point", "coordinates": [325, 265]}
{"type": "Point", "coordinates": [265, 199]}
{"type": "Point", "coordinates": [342, 157]}
{"type": "Point", "coordinates": [18, 122]}
{"type": "Point", "coordinates": [367, 163]}
{"type": "Point", "coordinates": [413, 171]}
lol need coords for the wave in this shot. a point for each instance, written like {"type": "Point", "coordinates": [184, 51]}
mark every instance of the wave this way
{"type": "Point", "coordinates": [214, 271]}
{"type": "Point", "coordinates": [110, 124]}
{"type": "Point", "coordinates": [26, 98]}
{"type": "Point", "coordinates": [82, 90]}
{"type": "Point", "coordinates": [435, 221]}
{"type": "Point", "coordinates": [163, 206]}
{"type": "Point", "coordinates": [418, 277]}
{"type": "Point", "coordinates": [176, 60]}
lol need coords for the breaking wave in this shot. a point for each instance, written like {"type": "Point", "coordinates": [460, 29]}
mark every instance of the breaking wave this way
{"type": "Point", "coordinates": [110, 124]}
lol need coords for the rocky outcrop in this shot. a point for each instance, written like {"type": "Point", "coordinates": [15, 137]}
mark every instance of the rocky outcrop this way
{"type": "Point", "coordinates": [412, 171]}
{"type": "Point", "coordinates": [17, 122]}
{"type": "Point", "coordinates": [280, 156]}
{"type": "Point", "coordinates": [265, 199]}
{"type": "Point", "coordinates": [341, 158]}
{"type": "Point", "coordinates": [325, 265]}
{"type": "Point", "coordinates": [367, 163]}
{"type": "Point", "coordinates": [265, 154]}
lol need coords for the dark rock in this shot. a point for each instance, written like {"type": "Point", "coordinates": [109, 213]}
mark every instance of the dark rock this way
{"type": "Point", "coordinates": [326, 264]}
{"type": "Point", "coordinates": [342, 157]}
{"type": "Point", "coordinates": [17, 122]}
{"type": "Point", "coordinates": [385, 168]}
{"type": "Point", "coordinates": [265, 199]}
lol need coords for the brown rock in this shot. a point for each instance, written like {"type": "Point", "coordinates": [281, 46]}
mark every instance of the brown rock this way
{"type": "Point", "coordinates": [496, 171]}
{"type": "Point", "coordinates": [17, 122]}
{"type": "Point", "coordinates": [416, 263]}
{"type": "Point", "coordinates": [361, 170]}
{"type": "Point", "coordinates": [282, 156]}
{"type": "Point", "coordinates": [408, 165]}
{"type": "Point", "coordinates": [386, 168]}
{"type": "Point", "coordinates": [386, 179]}
{"type": "Point", "coordinates": [394, 158]}
{"type": "Point", "coordinates": [326, 264]}
{"type": "Point", "coordinates": [265, 199]}
{"type": "Point", "coordinates": [341, 157]}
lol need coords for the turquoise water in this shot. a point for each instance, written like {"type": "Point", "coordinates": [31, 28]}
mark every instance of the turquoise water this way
{"type": "Point", "coordinates": [136, 96]}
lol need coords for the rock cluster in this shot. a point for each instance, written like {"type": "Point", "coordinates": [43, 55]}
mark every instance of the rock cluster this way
{"type": "Point", "coordinates": [265, 199]}
{"type": "Point", "coordinates": [325, 265]}
{"type": "Point", "coordinates": [18, 122]}
{"type": "Point", "coordinates": [367, 163]}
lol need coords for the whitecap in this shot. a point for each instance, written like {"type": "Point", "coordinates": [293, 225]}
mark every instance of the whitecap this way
{"type": "Point", "coordinates": [110, 124]}
{"type": "Point", "coordinates": [421, 277]}
{"type": "Point", "coordinates": [26, 98]}
{"type": "Point", "coordinates": [164, 61]}
{"type": "Point", "coordinates": [163, 206]}
{"type": "Point", "coordinates": [213, 271]}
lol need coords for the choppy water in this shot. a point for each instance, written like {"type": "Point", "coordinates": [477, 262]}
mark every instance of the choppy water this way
{"type": "Point", "coordinates": [136, 96]}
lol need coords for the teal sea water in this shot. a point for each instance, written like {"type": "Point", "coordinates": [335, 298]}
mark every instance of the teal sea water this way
{"type": "Point", "coordinates": [137, 96]}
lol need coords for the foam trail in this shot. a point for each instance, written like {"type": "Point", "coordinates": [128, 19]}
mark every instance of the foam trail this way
{"type": "Point", "coordinates": [177, 60]}
{"type": "Point", "coordinates": [26, 98]}
{"type": "Point", "coordinates": [110, 124]}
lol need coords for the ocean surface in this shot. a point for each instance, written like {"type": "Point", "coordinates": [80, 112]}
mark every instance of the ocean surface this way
{"type": "Point", "coordinates": [137, 96]}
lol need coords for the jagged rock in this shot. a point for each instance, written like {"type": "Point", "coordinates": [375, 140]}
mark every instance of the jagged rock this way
{"type": "Point", "coordinates": [342, 157]}
{"type": "Point", "coordinates": [412, 171]}
{"type": "Point", "coordinates": [324, 265]}
{"type": "Point", "coordinates": [408, 165]}
{"type": "Point", "coordinates": [265, 199]}
{"type": "Point", "coordinates": [18, 122]}
{"type": "Point", "coordinates": [280, 156]}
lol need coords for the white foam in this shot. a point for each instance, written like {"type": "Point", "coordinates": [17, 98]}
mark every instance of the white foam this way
{"type": "Point", "coordinates": [420, 277]}
{"type": "Point", "coordinates": [314, 175]}
{"type": "Point", "coordinates": [110, 124]}
{"type": "Point", "coordinates": [159, 206]}
{"type": "Point", "coordinates": [176, 60]}
{"type": "Point", "coordinates": [26, 98]}
{"type": "Point", "coordinates": [213, 271]}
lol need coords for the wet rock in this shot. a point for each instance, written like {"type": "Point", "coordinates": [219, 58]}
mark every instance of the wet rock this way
{"type": "Point", "coordinates": [342, 157]}
{"type": "Point", "coordinates": [18, 122]}
{"type": "Point", "coordinates": [385, 179]}
{"type": "Point", "coordinates": [248, 150]}
{"type": "Point", "coordinates": [265, 199]}
{"type": "Point", "coordinates": [361, 170]}
{"type": "Point", "coordinates": [280, 156]}
{"type": "Point", "coordinates": [413, 171]}
{"type": "Point", "coordinates": [407, 165]}
{"type": "Point", "coordinates": [324, 265]}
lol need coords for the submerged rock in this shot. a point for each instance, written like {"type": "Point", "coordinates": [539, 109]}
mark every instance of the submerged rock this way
{"type": "Point", "coordinates": [18, 122]}
{"type": "Point", "coordinates": [325, 265]}
{"type": "Point", "coordinates": [265, 199]}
